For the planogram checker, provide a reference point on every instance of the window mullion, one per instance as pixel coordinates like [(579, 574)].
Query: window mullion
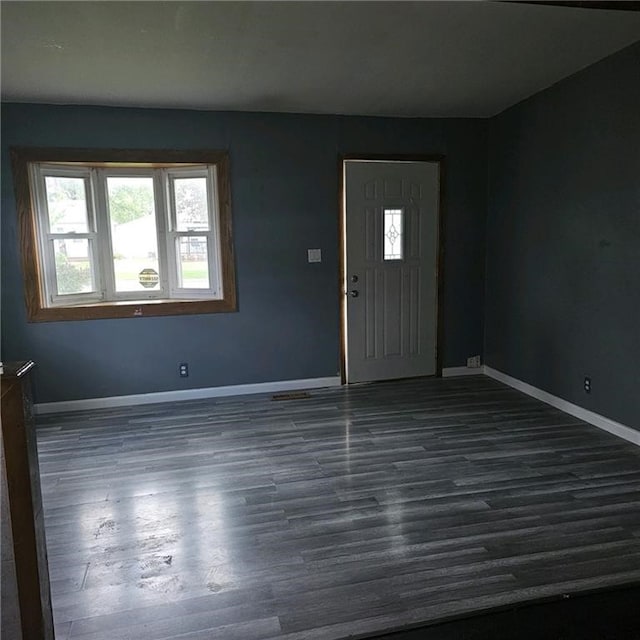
[(214, 270), (214, 238), (51, 277), (103, 228), (49, 283), (170, 222), (162, 227), (93, 236)]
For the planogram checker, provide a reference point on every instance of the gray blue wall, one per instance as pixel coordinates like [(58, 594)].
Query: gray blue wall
[(563, 239), (284, 173)]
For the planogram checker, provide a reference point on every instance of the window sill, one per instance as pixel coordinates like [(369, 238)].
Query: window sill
[(132, 309)]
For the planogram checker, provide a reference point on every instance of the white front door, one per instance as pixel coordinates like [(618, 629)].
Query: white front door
[(391, 268)]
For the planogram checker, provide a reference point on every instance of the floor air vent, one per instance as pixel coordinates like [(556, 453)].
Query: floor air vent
[(294, 395)]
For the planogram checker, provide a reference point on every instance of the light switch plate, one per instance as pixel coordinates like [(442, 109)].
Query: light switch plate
[(314, 255)]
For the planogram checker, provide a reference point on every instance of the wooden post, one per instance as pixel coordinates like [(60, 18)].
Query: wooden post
[(25, 503)]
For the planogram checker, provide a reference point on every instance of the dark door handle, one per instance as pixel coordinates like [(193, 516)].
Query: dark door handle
[(353, 293)]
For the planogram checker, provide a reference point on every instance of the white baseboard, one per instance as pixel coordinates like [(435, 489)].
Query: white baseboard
[(185, 394), (450, 372), (602, 422), (597, 420)]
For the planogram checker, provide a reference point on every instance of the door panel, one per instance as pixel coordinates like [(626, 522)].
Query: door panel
[(391, 234)]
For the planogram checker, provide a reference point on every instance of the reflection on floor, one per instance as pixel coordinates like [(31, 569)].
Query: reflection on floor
[(356, 510)]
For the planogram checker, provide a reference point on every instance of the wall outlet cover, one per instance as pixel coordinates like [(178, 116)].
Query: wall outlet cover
[(314, 255)]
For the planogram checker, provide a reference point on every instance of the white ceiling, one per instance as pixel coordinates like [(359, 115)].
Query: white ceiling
[(454, 58)]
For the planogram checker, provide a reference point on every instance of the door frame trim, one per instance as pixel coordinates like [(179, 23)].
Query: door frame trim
[(433, 158)]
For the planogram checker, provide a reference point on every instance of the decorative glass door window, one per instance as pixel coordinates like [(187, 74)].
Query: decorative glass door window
[(393, 234)]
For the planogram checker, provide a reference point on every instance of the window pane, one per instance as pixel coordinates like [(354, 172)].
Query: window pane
[(193, 262), (393, 232), (73, 266), (133, 233), (192, 212), (67, 204)]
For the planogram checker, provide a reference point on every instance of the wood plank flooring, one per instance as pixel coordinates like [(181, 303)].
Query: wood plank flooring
[(356, 510)]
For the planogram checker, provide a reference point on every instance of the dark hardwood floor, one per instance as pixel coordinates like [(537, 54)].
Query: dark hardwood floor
[(355, 511)]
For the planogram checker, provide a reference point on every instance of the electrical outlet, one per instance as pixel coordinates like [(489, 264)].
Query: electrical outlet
[(473, 362), (183, 370), (587, 384)]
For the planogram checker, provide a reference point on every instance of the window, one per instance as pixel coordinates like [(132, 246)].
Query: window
[(393, 234), (124, 233)]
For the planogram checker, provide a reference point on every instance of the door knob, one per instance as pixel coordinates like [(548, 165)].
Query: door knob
[(353, 293), (354, 279)]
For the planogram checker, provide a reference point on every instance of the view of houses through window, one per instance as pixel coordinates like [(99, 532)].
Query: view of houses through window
[(134, 234)]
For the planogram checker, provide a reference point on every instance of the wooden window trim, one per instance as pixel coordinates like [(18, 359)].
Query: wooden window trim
[(37, 311)]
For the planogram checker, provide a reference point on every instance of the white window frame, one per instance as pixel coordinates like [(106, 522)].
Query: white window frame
[(99, 234), (46, 237), (104, 223), (212, 234)]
